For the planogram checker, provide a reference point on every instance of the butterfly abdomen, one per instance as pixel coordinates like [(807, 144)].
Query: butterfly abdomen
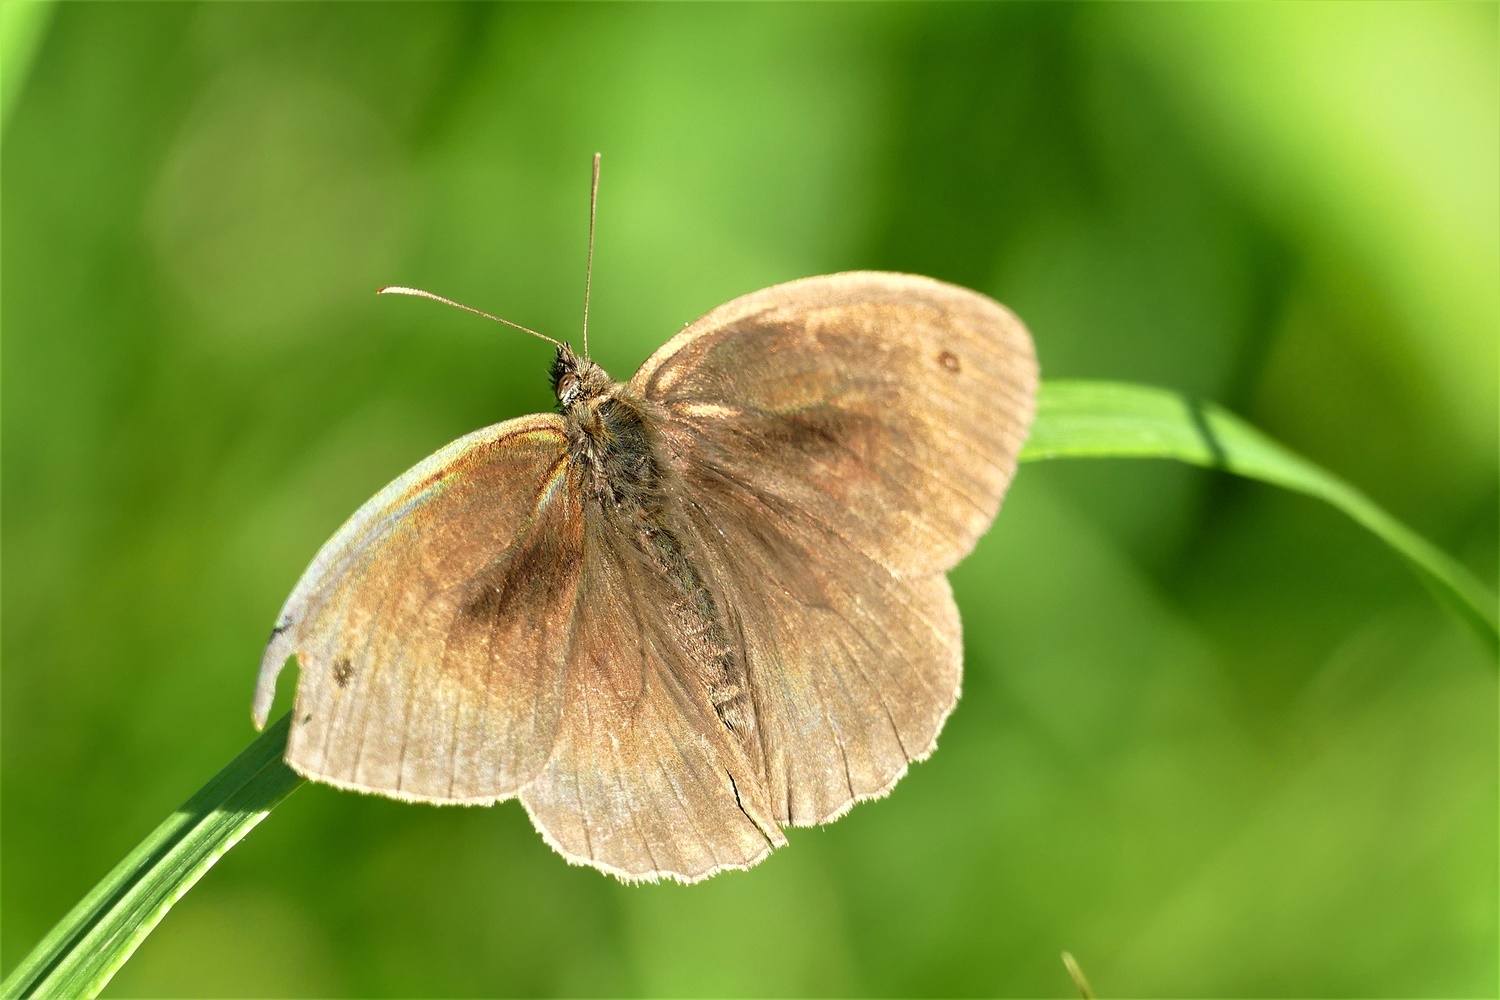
[(614, 440)]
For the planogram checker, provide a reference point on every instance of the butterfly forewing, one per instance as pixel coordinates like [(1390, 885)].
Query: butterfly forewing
[(430, 631), (890, 407)]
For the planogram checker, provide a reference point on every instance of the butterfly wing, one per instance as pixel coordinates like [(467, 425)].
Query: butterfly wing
[(479, 630), (644, 781), (889, 406), (842, 442), (432, 629)]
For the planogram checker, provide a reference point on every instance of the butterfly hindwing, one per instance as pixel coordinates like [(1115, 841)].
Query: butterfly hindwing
[(853, 669), (644, 782)]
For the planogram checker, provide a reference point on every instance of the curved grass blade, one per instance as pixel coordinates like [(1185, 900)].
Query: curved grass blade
[(1118, 420), (1074, 420), (89, 945)]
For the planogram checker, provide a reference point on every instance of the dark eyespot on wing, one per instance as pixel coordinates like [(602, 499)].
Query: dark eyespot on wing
[(949, 361), (343, 671)]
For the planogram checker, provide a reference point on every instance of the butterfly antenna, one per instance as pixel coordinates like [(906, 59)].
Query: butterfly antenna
[(588, 274), (419, 293)]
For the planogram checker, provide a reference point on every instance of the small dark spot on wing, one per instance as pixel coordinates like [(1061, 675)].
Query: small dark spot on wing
[(343, 671), (949, 361), (307, 718)]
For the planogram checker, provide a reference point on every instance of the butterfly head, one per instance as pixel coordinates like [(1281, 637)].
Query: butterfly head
[(576, 380)]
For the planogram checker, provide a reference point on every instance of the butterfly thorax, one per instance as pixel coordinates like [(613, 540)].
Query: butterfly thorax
[(612, 437)]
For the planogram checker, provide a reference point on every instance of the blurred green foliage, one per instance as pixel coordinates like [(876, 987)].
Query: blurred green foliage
[(1214, 739)]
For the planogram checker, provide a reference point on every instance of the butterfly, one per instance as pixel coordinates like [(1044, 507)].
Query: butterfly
[(685, 611)]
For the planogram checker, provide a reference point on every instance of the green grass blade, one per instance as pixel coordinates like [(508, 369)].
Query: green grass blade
[(90, 944), (1117, 420), (1074, 420)]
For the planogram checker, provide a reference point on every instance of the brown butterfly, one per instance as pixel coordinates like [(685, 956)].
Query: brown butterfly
[(687, 610)]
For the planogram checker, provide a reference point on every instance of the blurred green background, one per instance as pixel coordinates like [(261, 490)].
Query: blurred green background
[(1214, 739)]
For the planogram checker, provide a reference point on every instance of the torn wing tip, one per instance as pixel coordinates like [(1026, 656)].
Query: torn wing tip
[(271, 664), (265, 693)]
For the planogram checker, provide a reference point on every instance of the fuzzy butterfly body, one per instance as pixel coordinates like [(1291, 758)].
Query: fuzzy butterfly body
[(688, 610)]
